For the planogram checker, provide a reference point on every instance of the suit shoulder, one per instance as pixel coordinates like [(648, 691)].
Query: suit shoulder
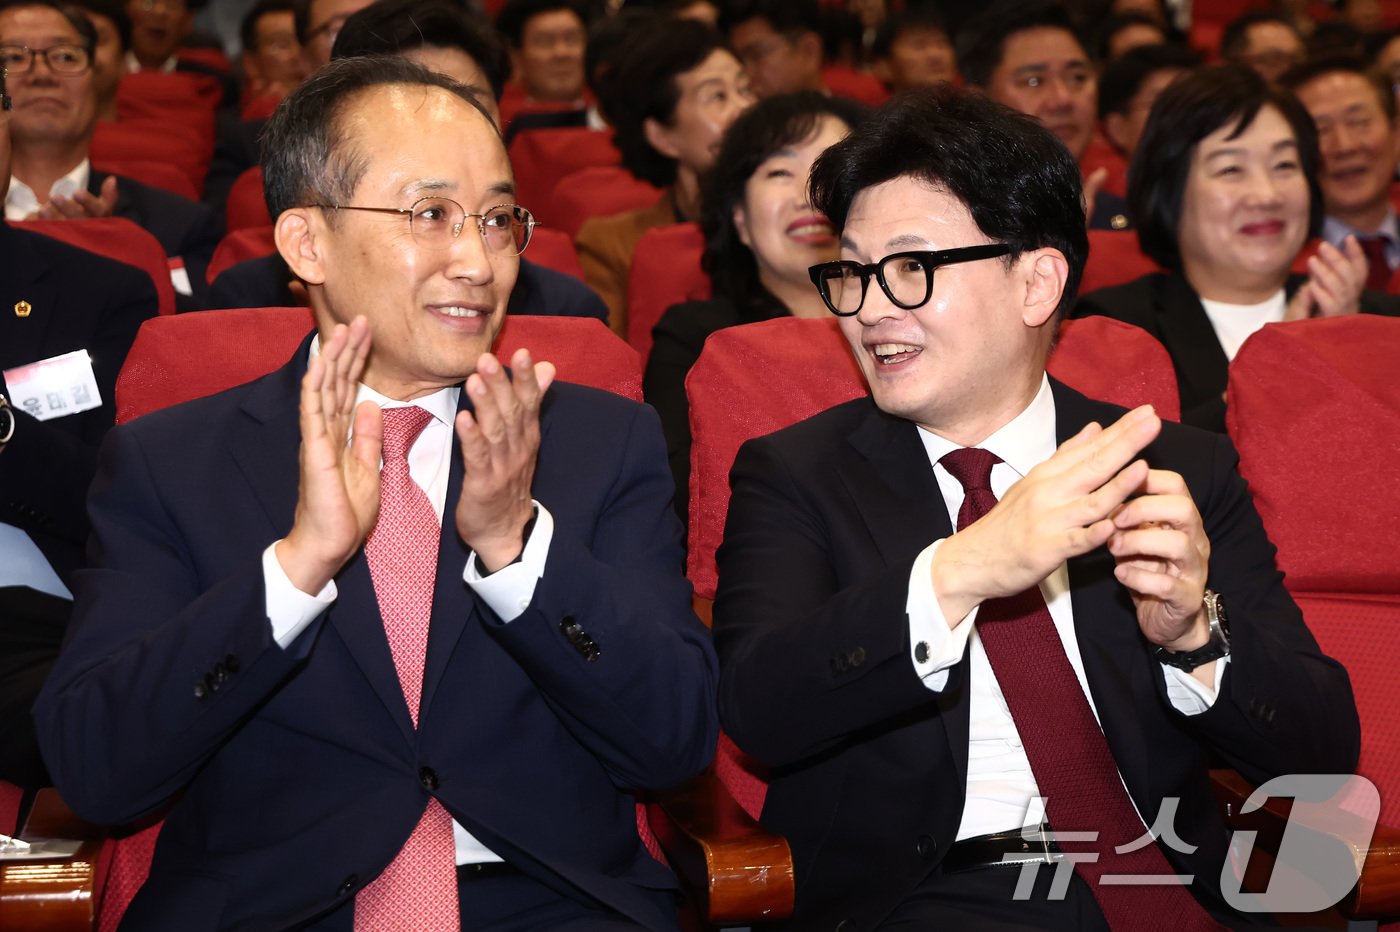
[(1135, 302), (542, 290), (823, 429), (694, 321), (166, 202)]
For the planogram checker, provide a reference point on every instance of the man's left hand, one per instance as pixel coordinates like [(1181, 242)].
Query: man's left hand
[(1163, 558), (499, 444), (82, 205)]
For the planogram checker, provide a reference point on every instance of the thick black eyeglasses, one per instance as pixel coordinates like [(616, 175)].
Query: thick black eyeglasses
[(905, 277), (61, 59), (436, 221)]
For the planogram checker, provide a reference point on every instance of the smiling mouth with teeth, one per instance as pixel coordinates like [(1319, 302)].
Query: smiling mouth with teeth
[(460, 312), (890, 353)]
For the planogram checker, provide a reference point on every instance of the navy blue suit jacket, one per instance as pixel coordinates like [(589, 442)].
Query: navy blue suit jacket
[(297, 773)]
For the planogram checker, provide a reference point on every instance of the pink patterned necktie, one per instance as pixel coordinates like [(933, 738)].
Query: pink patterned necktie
[(418, 890), (1073, 766)]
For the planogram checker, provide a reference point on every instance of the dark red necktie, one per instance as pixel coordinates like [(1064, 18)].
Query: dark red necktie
[(1069, 755), (1378, 275)]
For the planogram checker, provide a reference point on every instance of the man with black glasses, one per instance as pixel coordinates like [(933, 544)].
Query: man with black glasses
[(411, 680), (984, 630)]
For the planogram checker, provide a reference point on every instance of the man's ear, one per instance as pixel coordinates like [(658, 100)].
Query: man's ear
[(1115, 131), (1046, 274), (299, 234), (659, 138)]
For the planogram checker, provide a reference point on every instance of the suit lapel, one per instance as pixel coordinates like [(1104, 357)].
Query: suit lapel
[(1105, 623), (30, 280), (259, 444), (892, 483), (1187, 334)]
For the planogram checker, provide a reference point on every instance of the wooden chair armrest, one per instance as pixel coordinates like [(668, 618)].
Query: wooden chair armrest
[(56, 894), (733, 870), (1377, 893)]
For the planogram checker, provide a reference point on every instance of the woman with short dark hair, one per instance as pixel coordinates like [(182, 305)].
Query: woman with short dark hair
[(1223, 190)]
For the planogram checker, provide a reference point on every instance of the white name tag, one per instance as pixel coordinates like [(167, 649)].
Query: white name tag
[(54, 387)]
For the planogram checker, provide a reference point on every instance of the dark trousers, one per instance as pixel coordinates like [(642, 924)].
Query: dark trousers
[(516, 902), (982, 899), (32, 624)]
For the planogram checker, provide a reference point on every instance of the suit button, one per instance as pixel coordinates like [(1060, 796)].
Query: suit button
[(220, 673), (926, 847), (212, 684), (428, 777), (858, 656), (347, 884), (921, 652), (200, 691), (571, 629)]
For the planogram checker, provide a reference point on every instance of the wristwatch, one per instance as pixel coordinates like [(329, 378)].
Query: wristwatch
[(7, 421), (1218, 646)]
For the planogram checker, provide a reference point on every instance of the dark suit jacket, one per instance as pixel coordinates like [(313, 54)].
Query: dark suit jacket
[(1110, 213), (265, 282), (298, 773), (80, 301), (870, 767), (185, 228), (677, 340), (1167, 307)]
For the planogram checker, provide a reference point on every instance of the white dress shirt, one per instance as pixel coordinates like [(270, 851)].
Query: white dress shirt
[(22, 201), (1001, 790), (507, 592)]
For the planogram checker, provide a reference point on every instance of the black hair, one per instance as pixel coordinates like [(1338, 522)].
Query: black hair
[(393, 27), (1123, 77), (114, 10), (767, 127), (511, 20), (1313, 69), (1018, 181), (301, 19), (791, 18), (909, 19), (248, 28), (1118, 22), (981, 43), (87, 32), (608, 41), (1335, 38), (644, 86), (1187, 111), (1236, 35), (306, 158)]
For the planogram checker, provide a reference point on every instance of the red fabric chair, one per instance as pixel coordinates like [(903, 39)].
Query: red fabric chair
[(246, 206), (10, 798), (1114, 259), (597, 191), (260, 108), (154, 142), (193, 355), (1315, 413), (156, 174), (541, 157), (116, 238), (238, 246), (554, 249), (169, 90), (844, 81), (665, 271)]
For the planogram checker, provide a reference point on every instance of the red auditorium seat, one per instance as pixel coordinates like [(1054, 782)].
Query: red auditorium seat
[(665, 271), (246, 206), (596, 191), (239, 246), (541, 157), (156, 174), (116, 238), (554, 249), (1114, 259)]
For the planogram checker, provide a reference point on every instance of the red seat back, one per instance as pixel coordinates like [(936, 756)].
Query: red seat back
[(116, 238), (10, 798), (844, 81), (665, 271), (1114, 259), (154, 142), (597, 191), (1315, 412), (139, 91), (1115, 362), (161, 175), (554, 249), (541, 157), (239, 246), (246, 206)]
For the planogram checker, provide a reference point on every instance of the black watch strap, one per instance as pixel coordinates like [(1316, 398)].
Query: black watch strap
[(1218, 646)]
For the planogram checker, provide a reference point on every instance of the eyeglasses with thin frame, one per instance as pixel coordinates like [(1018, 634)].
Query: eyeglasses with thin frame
[(436, 221), (61, 59), (905, 277)]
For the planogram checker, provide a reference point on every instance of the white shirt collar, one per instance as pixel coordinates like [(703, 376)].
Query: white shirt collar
[(22, 201), (441, 404), (133, 65), (1022, 443)]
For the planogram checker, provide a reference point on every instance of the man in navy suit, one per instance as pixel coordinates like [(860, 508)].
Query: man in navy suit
[(228, 652), (868, 652)]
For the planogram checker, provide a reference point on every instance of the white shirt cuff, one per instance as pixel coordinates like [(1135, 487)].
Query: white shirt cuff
[(1190, 696), (933, 646), (509, 590), (290, 610)]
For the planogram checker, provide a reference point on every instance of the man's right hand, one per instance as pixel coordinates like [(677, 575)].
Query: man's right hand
[(1061, 509), (338, 493)]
